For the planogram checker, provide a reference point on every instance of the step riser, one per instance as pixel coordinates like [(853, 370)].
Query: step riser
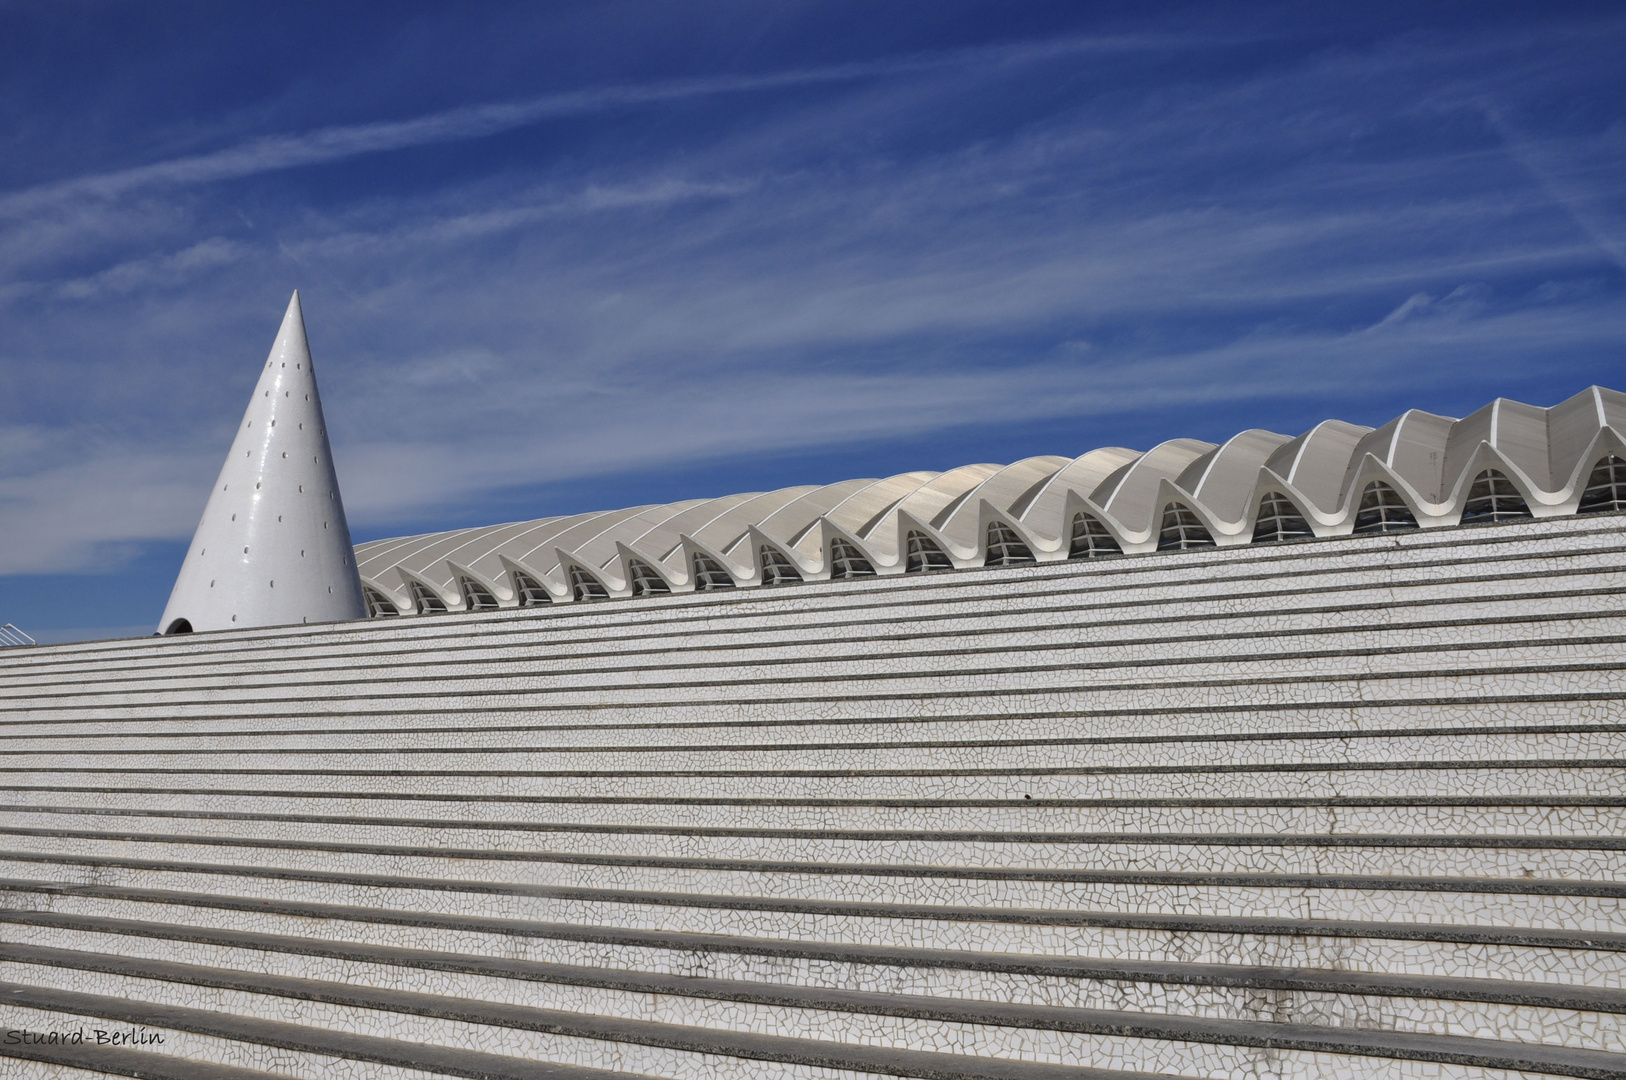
[(1536, 597), (1545, 543), (188, 1045), (475, 730), (1513, 746), (1491, 780), (18, 1069), (865, 647), (765, 961), (1099, 585), (1517, 642), (1165, 572)]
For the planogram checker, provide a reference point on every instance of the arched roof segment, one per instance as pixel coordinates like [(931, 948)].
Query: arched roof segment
[(1573, 426), (661, 542), (1131, 494), (1315, 463), (724, 532), (1412, 447), (1007, 490), (790, 524), (862, 510), (1081, 476), (1548, 453), (929, 503), (1223, 479)]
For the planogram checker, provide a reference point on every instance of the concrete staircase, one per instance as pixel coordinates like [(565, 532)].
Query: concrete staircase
[(1345, 807)]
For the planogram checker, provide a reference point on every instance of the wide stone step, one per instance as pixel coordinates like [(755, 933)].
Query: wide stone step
[(727, 673), (1583, 858), (894, 819), (1066, 945), (1543, 777), (1246, 614), (699, 702), (1215, 643), (1025, 648), (313, 874), (794, 942), (946, 757), (675, 1023), (1582, 1017), (1316, 716), (692, 615), (1528, 610), (90, 1061), (202, 1044)]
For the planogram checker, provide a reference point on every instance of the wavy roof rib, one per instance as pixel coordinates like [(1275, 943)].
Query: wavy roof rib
[(1429, 462)]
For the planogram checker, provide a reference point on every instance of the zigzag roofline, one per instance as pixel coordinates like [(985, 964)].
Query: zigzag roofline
[(1505, 460)]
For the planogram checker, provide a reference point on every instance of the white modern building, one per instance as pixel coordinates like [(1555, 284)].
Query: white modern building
[(1506, 461)]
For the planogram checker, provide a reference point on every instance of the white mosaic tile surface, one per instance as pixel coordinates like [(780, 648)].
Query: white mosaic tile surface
[(790, 753)]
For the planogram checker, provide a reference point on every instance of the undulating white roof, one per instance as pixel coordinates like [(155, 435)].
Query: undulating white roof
[(1417, 471)]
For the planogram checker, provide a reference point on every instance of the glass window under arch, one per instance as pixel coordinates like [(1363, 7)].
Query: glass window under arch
[(1492, 497), (1090, 539), (846, 561), (709, 576), (1182, 530), (1605, 491), (476, 597), (427, 600), (1382, 510), (1005, 547), (530, 591), (777, 569), (645, 581), (584, 586), (1280, 519), (922, 555)]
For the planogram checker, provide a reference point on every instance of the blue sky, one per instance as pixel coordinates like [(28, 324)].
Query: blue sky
[(561, 257)]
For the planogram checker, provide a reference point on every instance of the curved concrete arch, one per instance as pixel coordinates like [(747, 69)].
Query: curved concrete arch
[(930, 502), (1078, 478), (1131, 494), (1004, 488), (790, 525), (862, 510), (581, 534), (1411, 446), (727, 532), (1316, 463), (657, 536), (1223, 479)]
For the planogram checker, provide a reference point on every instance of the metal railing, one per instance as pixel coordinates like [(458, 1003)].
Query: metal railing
[(10, 635)]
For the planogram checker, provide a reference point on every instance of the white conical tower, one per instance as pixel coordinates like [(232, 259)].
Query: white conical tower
[(272, 548)]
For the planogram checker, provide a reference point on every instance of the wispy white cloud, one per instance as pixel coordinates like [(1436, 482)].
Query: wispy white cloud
[(1583, 197), (277, 152)]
